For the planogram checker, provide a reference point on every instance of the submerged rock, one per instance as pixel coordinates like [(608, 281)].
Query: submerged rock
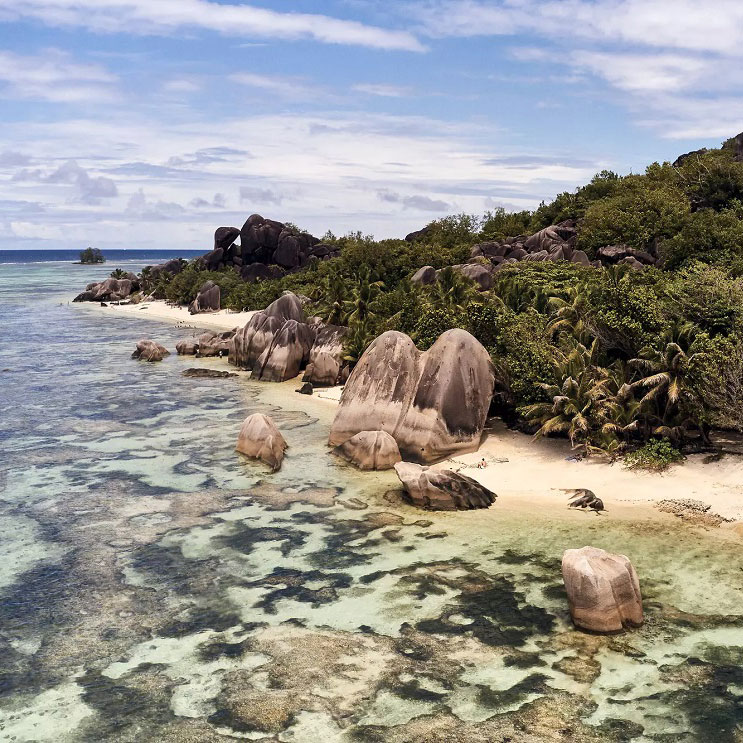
[(603, 590), (370, 450), (209, 373), (442, 490), (148, 350), (434, 403), (260, 439)]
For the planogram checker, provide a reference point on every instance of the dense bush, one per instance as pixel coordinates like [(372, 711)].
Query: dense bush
[(657, 455)]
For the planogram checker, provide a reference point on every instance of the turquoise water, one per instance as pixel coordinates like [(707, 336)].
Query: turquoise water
[(158, 587)]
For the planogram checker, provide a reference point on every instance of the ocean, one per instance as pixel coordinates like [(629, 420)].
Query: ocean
[(156, 586), (113, 257)]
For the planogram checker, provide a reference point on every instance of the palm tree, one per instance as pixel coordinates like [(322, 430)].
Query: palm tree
[(358, 307), (357, 341), (331, 299), (452, 291), (575, 407), (567, 315)]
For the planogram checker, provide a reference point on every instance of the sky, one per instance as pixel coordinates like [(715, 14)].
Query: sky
[(149, 123)]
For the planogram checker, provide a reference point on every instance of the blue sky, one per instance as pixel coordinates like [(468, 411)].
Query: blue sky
[(148, 123)]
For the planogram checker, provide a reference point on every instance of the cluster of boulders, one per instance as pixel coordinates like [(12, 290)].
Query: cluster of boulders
[(278, 342), (109, 290), (148, 350), (554, 243), (433, 403), (208, 343), (267, 249)]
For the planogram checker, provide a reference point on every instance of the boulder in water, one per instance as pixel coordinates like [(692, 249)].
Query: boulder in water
[(442, 490), (370, 450), (603, 590), (148, 350), (260, 439)]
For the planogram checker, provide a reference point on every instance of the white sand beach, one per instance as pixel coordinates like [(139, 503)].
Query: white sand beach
[(161, 310)]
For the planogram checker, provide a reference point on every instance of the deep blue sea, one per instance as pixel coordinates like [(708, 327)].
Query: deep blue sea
[(155, 586), (113, 257)]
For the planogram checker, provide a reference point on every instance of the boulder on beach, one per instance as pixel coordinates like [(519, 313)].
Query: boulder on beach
[(109, 290), (207, 300), (326, 356), (434, 403), (603, 590), (253, 339), (287, 307), (187, 346), (370, 450), (215, 344), (442, 490), (148, 350), (287, 353), (260, 439)]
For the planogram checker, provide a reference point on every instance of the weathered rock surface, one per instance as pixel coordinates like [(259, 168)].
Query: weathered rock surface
[(215, 344), (224, 237), (253, 339), (476, 273), (148, 350), (287, 353), (370, 450), (603, 590), (326, 356), (208, 374), (207, 300), (109, 290), (260, 439), (434, 404), (424, 276), (442, 490)]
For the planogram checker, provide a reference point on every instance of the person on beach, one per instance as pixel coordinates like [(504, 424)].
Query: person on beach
[(482, 464)]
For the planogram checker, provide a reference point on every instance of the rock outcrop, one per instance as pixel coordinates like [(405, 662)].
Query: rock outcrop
[(207, 344), (424, 276), (287, 353), (109, 290), (434, 403), (260, 439), (603, 590), (370, 450), (207, 300), (148, 350), (442, 490), (253, 339), (326, 356)]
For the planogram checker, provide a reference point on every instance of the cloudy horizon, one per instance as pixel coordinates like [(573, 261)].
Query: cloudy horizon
[(140, 124)]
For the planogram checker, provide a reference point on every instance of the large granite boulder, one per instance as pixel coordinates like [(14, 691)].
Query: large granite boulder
[(434, 403), (442, 490), (207, 300), (326, 356), (370, 450), (603, 590), (267, 241), (148, 350), (225, 236), (187, 346), (287, 307), (424, 276), (109, 290), (552, 236), (253, 339), (260, 439), (287, 353), (476, 273), (214, 344)]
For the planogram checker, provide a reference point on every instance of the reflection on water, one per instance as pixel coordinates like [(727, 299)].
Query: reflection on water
[(156, 586)]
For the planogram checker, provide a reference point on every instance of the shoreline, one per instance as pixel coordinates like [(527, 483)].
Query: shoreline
[(538, 471)]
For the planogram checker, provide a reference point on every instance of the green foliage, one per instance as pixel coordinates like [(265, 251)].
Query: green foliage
[(184, 287), (642, 211), (118, 273), (707, 236), (712, 180), (91, 255), (432, 323), (657, 455)]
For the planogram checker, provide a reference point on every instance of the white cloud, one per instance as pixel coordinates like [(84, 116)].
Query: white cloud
[(417, 202), (53, 76), (254, 195), (182, 85), (151, 211), (151, 17), (284, 87), (382, 90), (90, 188)]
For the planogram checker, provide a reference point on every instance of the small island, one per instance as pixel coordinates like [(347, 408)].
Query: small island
[(91, 256)]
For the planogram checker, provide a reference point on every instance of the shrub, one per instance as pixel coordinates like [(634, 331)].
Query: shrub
[(657, 456), (91, 255)]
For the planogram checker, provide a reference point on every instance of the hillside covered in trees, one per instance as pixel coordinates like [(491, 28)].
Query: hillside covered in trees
[(627, 330)]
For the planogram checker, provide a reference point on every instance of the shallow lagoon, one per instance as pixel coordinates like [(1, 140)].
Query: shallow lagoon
[(156, 586)]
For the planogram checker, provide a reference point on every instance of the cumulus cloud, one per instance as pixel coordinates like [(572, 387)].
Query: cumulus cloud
[(219, 201), (10, 159), (152, 211), (91, 189), (259, 195), (207, 156), (54, 76), (286, 87), (166, 17), (419, 203)]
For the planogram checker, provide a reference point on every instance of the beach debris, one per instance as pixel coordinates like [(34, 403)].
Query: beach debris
[(442, 490), (435, 403), (584, 498), (370, 450), (603, 590), (209, 373), (259, 438), (148, 350), (693, 511)]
